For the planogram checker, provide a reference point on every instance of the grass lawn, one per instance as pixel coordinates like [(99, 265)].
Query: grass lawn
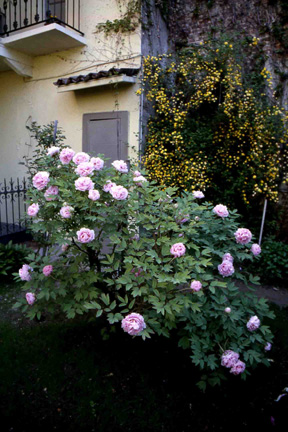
[(79, 376)]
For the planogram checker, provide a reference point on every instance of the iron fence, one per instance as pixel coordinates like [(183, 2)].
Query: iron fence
[(20, 14), (12, 208)]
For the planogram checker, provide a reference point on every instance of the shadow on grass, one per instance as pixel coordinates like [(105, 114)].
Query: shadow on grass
[(77, 377)]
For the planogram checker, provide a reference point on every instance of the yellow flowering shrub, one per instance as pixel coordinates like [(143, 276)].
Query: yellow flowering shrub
[(212, 129)]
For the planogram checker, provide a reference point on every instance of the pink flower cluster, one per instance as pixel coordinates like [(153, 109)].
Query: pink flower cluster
[(66, 155), (230, 360), (178, 249), (119, 192), (198, 194), (108, 185), (52, 151), (253, 323), (40, 180), (30, 297), (243, 236), (120, 166), (221, 210), (47, 270), (51, 193), (24, 272), (85, 235), (84, 184), (133, 324), (98, 163), (227, 257), (33, 209), (66, 212), (93, 194), (139, 180), (84, 169), (255, 249), (196, 285), (226, 268), (80, 158)]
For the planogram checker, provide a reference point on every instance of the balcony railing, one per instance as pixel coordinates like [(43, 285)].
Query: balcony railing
[(17, 15)]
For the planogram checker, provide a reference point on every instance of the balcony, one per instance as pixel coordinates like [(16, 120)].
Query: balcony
[(39, 27)]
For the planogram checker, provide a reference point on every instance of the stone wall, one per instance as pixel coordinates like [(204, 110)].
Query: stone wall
[(191, 21)]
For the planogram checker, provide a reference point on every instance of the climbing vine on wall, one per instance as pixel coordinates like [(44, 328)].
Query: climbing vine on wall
[(130, 18), (214, 128)]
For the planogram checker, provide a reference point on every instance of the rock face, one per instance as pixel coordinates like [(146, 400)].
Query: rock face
[(191, 21)]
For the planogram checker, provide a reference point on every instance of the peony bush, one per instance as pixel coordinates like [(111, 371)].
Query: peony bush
[(145, 259)]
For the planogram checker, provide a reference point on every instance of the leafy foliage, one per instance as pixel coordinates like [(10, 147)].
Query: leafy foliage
[(11, 258), (273, 265)]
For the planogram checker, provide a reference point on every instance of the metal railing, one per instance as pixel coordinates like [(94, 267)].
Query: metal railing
[(17, 15), (12, 207)]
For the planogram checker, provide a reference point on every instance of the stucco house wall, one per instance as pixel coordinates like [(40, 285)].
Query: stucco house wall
[(36, 98)]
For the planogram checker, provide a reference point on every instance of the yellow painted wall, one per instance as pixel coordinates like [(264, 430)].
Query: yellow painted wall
[(24, 100)]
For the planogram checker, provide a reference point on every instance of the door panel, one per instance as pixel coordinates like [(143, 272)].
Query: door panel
[(106, 133)]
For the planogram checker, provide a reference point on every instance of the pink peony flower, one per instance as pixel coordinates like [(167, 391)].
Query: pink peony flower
[(228, 310), (97, 163), (221, 210), (47, 270), (255, 249), (268, 346), (137, 174), (133, 324), (196, 285), (81, 157), (178, 249), (51, 193), (238, 368), (198, 194), (66, 212), (227, 257), (40, 180), (120, 166), (229, 358), (66, 155), (108, 185), (119, 193), (253, 323), (243, 236), (139, 180), (30, 297), (84, 169), (85, 235), (84, 184), (24, 272), (93, 194), (52, 151), (226, 268), (33, 209)]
